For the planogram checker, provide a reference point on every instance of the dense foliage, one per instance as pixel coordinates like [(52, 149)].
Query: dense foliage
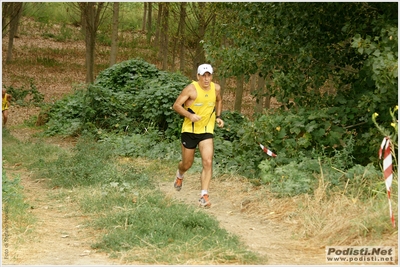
[(340, 58), (128, 97), (307, 144)]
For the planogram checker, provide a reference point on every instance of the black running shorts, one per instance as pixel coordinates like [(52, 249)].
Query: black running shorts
[(191, 140)]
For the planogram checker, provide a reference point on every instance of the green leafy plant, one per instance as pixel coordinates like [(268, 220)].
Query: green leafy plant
[(125, 98), (24, 97), (66, 115)]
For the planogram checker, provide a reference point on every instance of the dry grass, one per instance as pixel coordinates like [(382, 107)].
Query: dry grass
[(317, 219), (334, 220)]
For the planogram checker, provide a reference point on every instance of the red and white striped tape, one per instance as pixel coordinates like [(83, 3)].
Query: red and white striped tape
[(387, 170), (266, 150)]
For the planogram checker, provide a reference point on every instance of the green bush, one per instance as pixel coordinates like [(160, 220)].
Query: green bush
[(125, 98), (66, 116), (127, 76), (233, 125)]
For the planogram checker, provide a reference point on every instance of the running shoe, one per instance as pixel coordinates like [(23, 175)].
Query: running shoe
[(204, 201), (178, 184)]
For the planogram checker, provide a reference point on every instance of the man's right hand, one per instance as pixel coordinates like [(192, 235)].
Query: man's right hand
[(194, 117)]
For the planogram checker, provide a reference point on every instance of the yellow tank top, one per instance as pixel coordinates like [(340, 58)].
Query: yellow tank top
[(204, 106), (4, 102)]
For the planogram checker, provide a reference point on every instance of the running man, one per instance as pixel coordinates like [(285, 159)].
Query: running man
[(200, 103)]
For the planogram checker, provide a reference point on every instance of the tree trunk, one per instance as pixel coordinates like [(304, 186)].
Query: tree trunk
[(158, 25), (114, 34), (259, 94), (149, 17), (83, 20), (199, 57), (14, 21), (144, 16), (175, 42), (253, 82), (267, 95), (6, 17), (90, 42), (164, 47), (91, 16), (223, 79), (222, 84), (182, 18), (239, 93)]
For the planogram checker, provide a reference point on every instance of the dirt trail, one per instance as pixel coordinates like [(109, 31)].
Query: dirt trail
[(60, 236), (266, 237)]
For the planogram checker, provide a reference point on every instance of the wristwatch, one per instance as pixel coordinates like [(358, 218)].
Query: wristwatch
[(218, 117)]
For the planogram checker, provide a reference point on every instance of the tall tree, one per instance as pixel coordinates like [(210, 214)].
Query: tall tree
[(91, 16), (203, 17), (149, 21), (158, 24), (144, 16), (181, 36), (11, 15), (164, 34), (195, 17), (239, 93), (7, 14), (259, 92), (114, 34), (176, 11)]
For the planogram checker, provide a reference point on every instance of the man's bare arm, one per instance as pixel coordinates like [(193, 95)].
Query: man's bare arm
[(218, 105), (185, 95)]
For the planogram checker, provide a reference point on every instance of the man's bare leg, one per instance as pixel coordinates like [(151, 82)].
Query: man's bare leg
[(183, 166), (187, 160), (207, 152)]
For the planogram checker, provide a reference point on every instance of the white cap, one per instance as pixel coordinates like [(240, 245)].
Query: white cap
[(203, 68)]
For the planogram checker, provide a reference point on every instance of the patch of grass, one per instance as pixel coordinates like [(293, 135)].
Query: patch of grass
[(66, 33), (48, 35), (15, 218), (47, 61), (146, 220), (90, 163), (26, 154)]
